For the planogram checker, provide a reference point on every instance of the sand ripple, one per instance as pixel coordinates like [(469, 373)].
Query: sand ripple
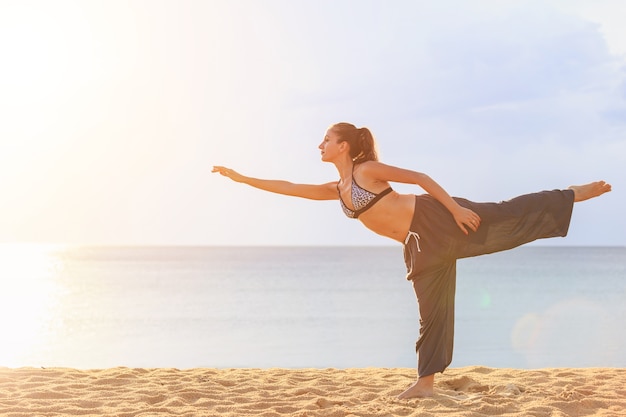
[(470, 391)]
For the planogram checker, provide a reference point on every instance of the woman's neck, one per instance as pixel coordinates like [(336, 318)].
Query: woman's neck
[(345, 168)]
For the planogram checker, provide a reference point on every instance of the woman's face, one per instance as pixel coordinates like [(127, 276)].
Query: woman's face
[(330, 147)]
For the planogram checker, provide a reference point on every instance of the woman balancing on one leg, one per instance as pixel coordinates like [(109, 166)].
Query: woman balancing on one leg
[(434, 228)]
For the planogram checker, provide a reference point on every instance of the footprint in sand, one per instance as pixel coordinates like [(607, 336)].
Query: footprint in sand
[(466, 384)]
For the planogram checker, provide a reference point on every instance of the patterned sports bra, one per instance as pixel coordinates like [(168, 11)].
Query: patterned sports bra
[(362, 199)]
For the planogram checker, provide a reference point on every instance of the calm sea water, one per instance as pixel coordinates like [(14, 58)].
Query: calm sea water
[(183, 307)]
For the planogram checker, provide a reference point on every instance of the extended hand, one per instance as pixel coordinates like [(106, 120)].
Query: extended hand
[(227, 172)]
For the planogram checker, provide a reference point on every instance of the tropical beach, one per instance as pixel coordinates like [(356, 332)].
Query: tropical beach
[(366, 392), (133, 282)]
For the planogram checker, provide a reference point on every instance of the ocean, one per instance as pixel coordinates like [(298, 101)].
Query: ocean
[(300, 307)]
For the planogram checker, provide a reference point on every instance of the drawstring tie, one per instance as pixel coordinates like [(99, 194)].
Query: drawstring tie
[(409, 252), (416, 237)]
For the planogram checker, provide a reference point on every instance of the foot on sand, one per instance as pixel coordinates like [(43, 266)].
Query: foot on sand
[(420, 389), (591, 190)]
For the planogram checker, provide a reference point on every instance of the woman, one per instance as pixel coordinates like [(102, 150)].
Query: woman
[(434, 228)]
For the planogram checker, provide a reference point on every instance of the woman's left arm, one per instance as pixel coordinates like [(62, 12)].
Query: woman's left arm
[(382, 172)]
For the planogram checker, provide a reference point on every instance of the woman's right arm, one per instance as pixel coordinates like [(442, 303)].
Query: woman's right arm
[(326, 191)]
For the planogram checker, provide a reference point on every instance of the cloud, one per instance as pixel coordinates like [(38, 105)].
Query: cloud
[(528, 73), (512, 72)]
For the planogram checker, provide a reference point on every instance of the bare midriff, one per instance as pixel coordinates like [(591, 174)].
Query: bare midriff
[(391, 216)]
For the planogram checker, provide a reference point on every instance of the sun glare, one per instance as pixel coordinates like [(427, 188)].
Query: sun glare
[(46, 61), (28, 298)]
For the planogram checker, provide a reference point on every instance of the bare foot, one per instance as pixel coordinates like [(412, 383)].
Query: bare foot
[(591, 190), (420, 389)]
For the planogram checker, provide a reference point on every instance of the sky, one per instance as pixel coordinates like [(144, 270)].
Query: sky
[(112, 113)]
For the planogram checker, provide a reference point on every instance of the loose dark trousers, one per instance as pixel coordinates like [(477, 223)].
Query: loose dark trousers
[(436, 242)]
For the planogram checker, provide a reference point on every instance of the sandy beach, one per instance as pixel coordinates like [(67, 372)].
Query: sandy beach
[(469, 391)]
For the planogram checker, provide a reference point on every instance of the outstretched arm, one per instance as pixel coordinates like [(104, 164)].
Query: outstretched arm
[(463, 216), (326, 191)]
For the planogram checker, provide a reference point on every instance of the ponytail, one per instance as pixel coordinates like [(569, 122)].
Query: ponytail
[(361, 141), (367, 146)]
